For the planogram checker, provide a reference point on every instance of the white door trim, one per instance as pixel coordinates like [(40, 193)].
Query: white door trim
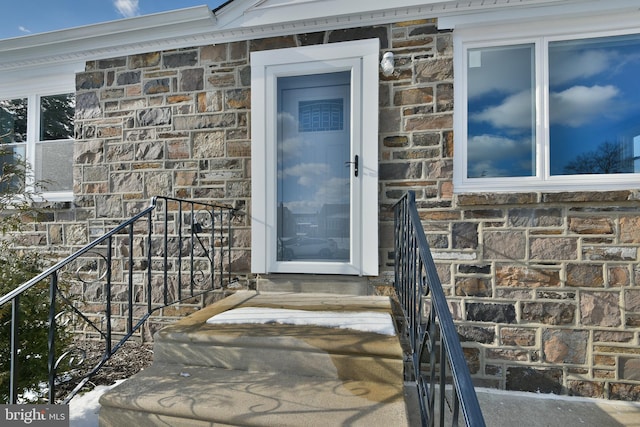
[(362, 58)]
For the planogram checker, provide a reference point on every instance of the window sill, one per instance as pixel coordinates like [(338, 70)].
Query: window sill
[(58, 196)]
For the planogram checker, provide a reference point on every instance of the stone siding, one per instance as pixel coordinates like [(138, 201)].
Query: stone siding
[(544, 287)]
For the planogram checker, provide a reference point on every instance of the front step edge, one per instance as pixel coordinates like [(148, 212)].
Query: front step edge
[(201, 396)]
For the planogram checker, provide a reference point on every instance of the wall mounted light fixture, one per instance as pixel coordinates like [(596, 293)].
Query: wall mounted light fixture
[(387, 64)]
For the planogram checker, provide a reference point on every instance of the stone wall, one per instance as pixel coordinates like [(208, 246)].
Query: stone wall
[(544, 286)]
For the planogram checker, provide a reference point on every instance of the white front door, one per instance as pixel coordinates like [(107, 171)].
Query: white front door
[(314, 159)]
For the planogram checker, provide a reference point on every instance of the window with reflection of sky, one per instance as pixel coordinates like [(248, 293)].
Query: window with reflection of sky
[(501, 112), (593, 108), (594, 104)]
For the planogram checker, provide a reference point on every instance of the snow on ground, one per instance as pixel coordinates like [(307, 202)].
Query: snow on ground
[(83, 409), (366, 321)]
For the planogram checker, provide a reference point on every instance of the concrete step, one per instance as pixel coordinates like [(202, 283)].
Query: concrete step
[(179, 395), (309, 283), (298, 350), (266, 374)]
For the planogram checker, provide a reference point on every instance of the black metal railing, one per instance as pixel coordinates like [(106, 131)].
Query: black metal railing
[(438, 367), (171, 252)]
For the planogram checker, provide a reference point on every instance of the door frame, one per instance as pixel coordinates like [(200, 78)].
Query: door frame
[(361, 58)]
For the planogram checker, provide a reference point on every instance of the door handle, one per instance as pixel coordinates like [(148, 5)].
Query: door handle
[(355, 163)]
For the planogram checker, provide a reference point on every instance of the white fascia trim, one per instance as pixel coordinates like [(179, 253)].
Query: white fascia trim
[(162, 31), (540, 12)]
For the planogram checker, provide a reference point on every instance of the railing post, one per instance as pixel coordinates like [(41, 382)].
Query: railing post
[(130, 281), (179, 266), (212, 248), (222, 246), (13, 380), (149, 259), (165, 274), (191, 251), (108, 297), (51, 361)]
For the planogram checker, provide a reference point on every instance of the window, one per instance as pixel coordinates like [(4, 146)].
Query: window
[(13, 135), (39, 129), (318, 116), (594, 112), (501, 112), (557, 113)]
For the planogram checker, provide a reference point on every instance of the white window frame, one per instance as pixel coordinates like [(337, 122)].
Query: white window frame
[(265, 68), (540, 33), (33, 84)]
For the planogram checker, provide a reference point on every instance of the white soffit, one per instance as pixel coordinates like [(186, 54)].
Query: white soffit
[(161, 31)]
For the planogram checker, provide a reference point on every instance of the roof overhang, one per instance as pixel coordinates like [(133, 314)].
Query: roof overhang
[(253, 19), (168, 30)]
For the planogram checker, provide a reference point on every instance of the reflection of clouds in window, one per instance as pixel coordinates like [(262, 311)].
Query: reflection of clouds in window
[(493, 156), (583, 59), (306, 173), (291, 149), (516, 111), (593, 104), (334, 191), (567, 66), (572, 107), (580, 104), (502, 69), (331, 191)]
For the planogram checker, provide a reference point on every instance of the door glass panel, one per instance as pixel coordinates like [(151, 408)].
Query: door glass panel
[(313, 178)]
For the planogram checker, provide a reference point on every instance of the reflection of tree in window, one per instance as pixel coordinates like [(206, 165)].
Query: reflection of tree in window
[(13, 135), (56, 117), (608, 157), (13, 120)]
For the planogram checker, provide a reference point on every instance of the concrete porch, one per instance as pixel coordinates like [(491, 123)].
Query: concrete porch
[(267, 374)]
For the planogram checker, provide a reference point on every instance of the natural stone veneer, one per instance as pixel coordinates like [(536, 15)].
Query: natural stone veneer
[(543, 285)]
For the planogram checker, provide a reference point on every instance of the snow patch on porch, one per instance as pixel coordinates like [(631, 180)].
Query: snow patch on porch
[(365, 321)]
